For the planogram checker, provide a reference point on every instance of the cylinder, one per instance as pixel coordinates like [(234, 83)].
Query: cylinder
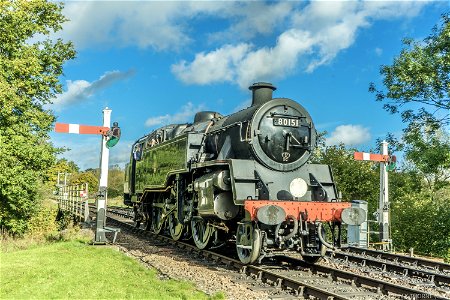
[(261, 92)]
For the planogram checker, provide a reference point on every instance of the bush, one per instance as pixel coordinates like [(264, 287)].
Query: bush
[(48, 224), (44, 221)]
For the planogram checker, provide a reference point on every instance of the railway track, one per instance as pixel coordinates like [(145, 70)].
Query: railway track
[(421, 275), (290, 273), (402, 259)]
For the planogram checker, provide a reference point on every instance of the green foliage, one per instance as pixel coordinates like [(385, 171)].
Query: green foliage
[(428, 150), (62, 166), (422, 222), (115, 182), (420, 192), (420, 215), (86, 177), (29, 74), (44, 221), (91, 176), (420, 74), (356, 180), (63, 220), (48, 224)]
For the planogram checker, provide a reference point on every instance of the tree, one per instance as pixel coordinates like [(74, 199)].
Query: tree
[(115, 182), (61, 166), (417, 85), (422, 221), (428, 150), (356, 180), (30, 64), (89, 178), (421, 75)]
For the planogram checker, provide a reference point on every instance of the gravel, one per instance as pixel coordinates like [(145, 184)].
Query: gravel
[(419, 285), (176, 264)]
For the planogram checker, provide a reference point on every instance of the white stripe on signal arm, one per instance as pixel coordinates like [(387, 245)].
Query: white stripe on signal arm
[(74, 128)]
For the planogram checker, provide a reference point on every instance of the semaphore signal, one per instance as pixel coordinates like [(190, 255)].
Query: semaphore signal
[(80, 129), (387, 163), (110, 137), (370, 156)]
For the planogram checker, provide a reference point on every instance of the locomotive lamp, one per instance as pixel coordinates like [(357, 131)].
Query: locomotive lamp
[(298, 187)]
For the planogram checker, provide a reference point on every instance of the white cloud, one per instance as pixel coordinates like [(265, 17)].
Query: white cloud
[(242, 65), (162, 25), (318, 33), (249, 19), (310, 34), (270, 63), (80, 90), (349, 135), (166, 25), (378, 51), (186, 114), (85, 150), (216, 66)]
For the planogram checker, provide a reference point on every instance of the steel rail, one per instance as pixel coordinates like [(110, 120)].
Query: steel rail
[(299, 287), (415, 261), (359, 280), (279, 281), (386, 266)]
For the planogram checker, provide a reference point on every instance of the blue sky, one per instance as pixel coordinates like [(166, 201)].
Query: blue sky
[(155, 63)]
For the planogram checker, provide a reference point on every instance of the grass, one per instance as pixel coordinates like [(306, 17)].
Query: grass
[(72, 269)]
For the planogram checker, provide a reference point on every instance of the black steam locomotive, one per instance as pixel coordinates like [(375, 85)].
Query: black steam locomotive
[(243, 177)]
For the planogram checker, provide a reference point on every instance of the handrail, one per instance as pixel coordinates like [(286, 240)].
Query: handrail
[(74, 199)]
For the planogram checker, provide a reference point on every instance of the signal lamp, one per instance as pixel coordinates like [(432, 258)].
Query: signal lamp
[(113, 135)]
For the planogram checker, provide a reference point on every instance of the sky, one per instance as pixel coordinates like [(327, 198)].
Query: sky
[(159, 62)]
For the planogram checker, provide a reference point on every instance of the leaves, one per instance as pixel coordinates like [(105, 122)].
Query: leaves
[(30, 65), (356, 180), (420, 215), (429, 151), (420, 74)]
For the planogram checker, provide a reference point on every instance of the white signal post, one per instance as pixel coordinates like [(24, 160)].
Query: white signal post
[(101, 198), (103, 184), (383, 206), (104, 155)]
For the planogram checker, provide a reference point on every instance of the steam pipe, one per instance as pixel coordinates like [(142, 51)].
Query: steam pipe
[(290, 235), (321, 239)]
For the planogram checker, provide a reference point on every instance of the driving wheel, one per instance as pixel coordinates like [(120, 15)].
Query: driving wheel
[(248, 242)]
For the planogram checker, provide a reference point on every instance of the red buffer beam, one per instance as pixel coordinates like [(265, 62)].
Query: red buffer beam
[(80, 129), (370, 156)]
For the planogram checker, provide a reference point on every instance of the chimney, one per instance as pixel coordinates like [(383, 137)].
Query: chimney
[(261, 92)]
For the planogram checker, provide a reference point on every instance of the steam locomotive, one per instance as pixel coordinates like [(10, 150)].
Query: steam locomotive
[(243, 178)]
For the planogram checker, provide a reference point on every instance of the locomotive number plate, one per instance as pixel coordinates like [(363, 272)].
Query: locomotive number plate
[(286, 122)]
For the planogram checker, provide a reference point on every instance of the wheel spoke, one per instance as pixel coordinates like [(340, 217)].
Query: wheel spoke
[(201, 233), (158, 220), (176, 228), (248, 242)]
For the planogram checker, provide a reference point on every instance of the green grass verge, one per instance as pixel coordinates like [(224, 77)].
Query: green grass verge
[(79, 271)]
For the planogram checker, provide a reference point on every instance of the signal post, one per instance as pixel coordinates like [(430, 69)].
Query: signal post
[(110, 137), (386, 163), (103, 183), (384, 205)]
